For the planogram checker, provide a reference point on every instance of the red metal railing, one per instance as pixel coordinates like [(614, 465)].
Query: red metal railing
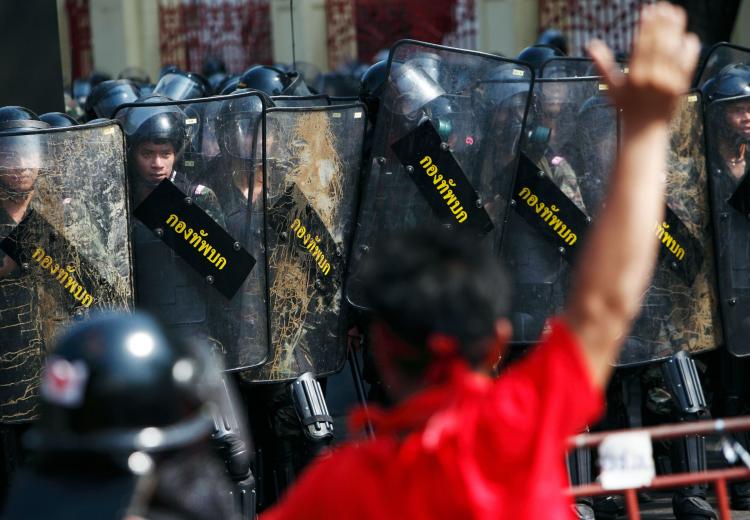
[(717, 477)]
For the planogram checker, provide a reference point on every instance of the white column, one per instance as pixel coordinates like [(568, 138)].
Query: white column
[(507, 26), (309, 30), (125, 33)]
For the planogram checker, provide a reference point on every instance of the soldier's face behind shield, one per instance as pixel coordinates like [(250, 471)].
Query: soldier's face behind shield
[(154, 161), (20, 162), (738, 118)]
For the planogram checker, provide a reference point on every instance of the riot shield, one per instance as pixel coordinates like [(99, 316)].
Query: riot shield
[(679, 310), (720, 55), (195, 173), (313, 158), (727, 138), (317, 100), (65, 248), (568, 67), (445, 147), (569, 141)]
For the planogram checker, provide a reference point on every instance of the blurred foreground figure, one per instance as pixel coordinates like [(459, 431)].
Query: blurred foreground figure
[(458, 444), (125, 428)]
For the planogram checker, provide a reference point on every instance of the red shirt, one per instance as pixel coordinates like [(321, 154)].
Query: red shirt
[(474, 449)]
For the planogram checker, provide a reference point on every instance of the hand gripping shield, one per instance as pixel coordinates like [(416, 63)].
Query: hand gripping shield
[(313, 158), (569, 142), (63, 242), (193, 239), (445, 147), (727, 143)]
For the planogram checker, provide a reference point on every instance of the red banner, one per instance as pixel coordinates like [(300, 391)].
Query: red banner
[(380, 23), (79, 27), (613, 21), (237, 31)]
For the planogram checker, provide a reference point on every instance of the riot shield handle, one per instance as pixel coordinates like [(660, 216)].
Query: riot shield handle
[(681, 376), (312, 410)]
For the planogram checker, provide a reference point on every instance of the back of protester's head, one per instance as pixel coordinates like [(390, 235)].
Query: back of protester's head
[(432, 282)]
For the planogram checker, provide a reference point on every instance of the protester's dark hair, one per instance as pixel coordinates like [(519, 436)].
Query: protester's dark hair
[(431, 281)]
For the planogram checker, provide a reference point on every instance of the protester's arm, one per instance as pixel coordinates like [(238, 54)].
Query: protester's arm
[(615, 267)]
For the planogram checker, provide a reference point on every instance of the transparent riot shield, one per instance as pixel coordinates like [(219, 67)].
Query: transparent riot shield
[(313, 158), (195, 173), (679, 310), (727, 142), (317, 100), (445, 147), (65, 249), (720, 55), (571, 67), (568, 67), (569, 142)]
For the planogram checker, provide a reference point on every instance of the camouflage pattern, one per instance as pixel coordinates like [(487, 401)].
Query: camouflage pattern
[(69, 255), (312, 173), (677, 315)]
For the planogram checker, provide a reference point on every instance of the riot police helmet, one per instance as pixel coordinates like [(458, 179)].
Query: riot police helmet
[(22, 149), (117, 383), (228, 85), (732, 81), (160, 123), (216, 81), (15, 118), (213, 65), (239, 124), (108, 95), (168, 68), (372, 86), (273, 81), (181, 85), (58, 119), (536, 55), (555, 38)]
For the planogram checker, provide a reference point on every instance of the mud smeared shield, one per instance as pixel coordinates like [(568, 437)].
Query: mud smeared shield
[(679, 310), (193, 236), (65, 249), (569, 142), (313, 158), (445, 147), (727, 163), (720, 55)]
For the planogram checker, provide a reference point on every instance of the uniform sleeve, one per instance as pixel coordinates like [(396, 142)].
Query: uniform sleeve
[(549, 392)]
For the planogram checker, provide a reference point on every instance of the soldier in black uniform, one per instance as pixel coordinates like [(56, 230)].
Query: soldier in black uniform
[(728, 124), (165, 284), (21, 158)]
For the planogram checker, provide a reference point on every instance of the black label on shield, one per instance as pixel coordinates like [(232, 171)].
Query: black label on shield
[(440, 180), (298, 228), (740, 199), (196, 238), (547, 209), (680, 250), (35, 244)]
